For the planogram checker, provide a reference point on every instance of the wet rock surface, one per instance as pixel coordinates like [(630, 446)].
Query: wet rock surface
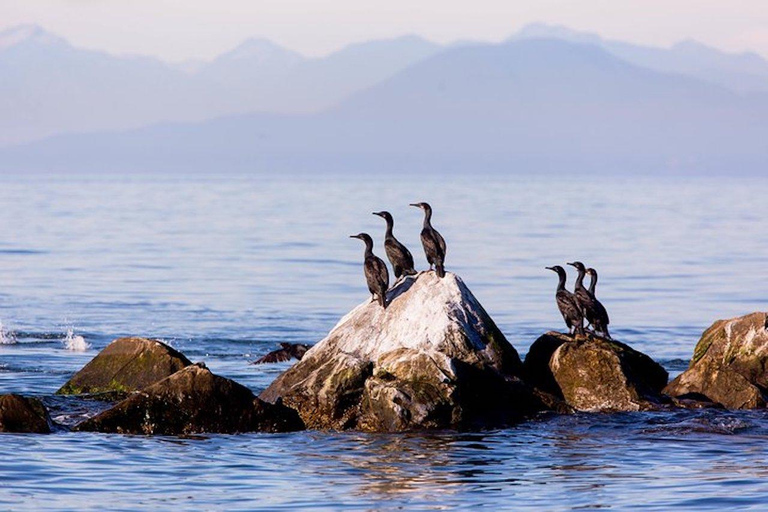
[(193, 401), (593, 374), (432, 359), (125, 365), (23, 415), (729, 364)]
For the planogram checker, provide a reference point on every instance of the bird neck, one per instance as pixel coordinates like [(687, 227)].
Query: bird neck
[(427, 217), (390, 226), (561, 283), (368, 247), (593, 284), (580, 279)]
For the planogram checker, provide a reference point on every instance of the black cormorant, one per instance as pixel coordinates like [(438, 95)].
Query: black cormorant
[(375, 269), (567, 304), (594, 311), (433, 242), (288, 352), (397, 253)]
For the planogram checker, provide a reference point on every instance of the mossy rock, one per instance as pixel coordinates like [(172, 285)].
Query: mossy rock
[(729, 364), (193, 401), (596, 374), (124, 366)]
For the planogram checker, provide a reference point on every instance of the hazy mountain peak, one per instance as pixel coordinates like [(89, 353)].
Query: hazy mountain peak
[(544, 30), (259, 49), (22, 34)]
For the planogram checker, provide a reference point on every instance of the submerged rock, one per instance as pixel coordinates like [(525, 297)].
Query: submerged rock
[(432, 359), (729, 365), (595, 374), (126, 365), (193, 401), (22, 414)]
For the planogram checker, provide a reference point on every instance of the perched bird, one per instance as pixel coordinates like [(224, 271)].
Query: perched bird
[(288, 352), (376, 273), (592, 273), (433, 242), (398, 254), (594, 311), (567, 304)]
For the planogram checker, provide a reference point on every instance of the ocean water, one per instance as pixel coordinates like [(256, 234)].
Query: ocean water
[(225, 268)]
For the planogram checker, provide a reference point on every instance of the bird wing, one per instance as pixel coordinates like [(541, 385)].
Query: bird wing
[(431, 245), (276, 356), (376, 270), (440, 241), (568, 305)]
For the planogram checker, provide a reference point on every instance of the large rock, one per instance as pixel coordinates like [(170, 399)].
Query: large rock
[(729, 365), (126, 365), (193, 401), (432, 359), (595, 374), (21, 414)]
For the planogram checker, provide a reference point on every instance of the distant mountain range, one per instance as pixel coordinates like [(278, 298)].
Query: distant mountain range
[(548, 98)]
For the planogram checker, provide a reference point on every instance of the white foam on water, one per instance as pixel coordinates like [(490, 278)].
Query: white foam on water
[(6, 337), (75, 342)]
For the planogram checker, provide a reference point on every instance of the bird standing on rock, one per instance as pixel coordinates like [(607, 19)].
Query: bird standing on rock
[(376, 273), (594, 311), (433, 242), (398, 254), (568, 304)]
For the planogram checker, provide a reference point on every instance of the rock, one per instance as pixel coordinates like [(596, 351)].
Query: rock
[(286, 353), (126, 365), (595, 374), (21, 414), (432, 359), (729, 365), (192, 401)]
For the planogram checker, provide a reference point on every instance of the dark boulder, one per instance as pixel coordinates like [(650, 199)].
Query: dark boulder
[(432, 359), (729, 365), (193, 401), (592, 373), (22, 414), (126, 365)]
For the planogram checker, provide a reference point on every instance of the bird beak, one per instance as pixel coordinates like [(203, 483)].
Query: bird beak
[(550, 268), (415, 204), (380, 214), (571, 264), (354, 236)]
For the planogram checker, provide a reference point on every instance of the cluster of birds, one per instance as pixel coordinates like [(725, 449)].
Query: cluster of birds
[(376, 273), (582, 303)]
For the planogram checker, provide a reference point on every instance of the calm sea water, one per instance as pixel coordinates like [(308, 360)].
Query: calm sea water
[(226, 268)]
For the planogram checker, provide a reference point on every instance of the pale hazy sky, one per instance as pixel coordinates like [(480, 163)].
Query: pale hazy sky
[(186, 29)]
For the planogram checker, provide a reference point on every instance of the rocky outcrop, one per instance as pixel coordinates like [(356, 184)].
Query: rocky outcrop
[(595, 374), (729, 365), (193, 401), (432, 359), (126, 365), (21, 414)]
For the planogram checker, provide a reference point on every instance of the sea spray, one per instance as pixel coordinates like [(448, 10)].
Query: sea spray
[(75, 342), (6, 337)]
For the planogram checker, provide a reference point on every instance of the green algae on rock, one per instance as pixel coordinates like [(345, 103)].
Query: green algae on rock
[(729, 365), (126, 365)]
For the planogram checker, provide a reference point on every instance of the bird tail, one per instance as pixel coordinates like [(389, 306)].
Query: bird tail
[(440, 269), (383, 298)]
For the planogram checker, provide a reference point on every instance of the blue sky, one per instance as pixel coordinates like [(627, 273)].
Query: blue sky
[(186, 29)]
